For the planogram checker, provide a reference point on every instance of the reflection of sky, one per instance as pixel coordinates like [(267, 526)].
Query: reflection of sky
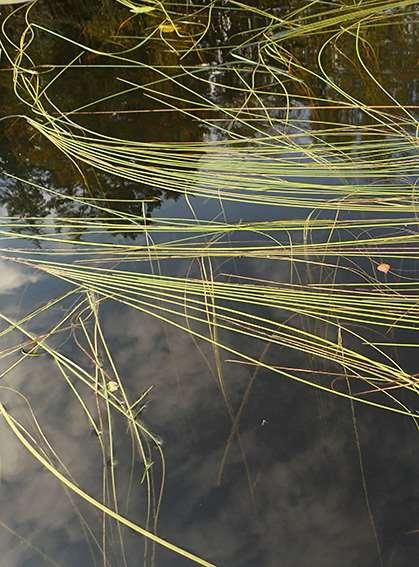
[(309, 506), (14, 277)]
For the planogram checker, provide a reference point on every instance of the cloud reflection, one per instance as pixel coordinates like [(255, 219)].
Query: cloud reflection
[(308, 508)]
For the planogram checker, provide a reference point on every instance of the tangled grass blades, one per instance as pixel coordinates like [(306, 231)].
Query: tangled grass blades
[(292, 155)]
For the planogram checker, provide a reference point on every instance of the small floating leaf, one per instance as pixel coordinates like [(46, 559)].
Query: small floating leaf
[(383, 267), (112, 386), (167, 28)]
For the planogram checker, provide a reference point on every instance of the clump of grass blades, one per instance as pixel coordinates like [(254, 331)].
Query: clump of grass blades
[(85, 315), (256, 156), (264, 166), (184, 302)]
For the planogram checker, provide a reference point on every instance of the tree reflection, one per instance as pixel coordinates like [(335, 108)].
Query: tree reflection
[(160, 111)]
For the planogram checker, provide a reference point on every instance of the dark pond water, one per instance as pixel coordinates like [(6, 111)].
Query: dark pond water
[(309, 479)]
